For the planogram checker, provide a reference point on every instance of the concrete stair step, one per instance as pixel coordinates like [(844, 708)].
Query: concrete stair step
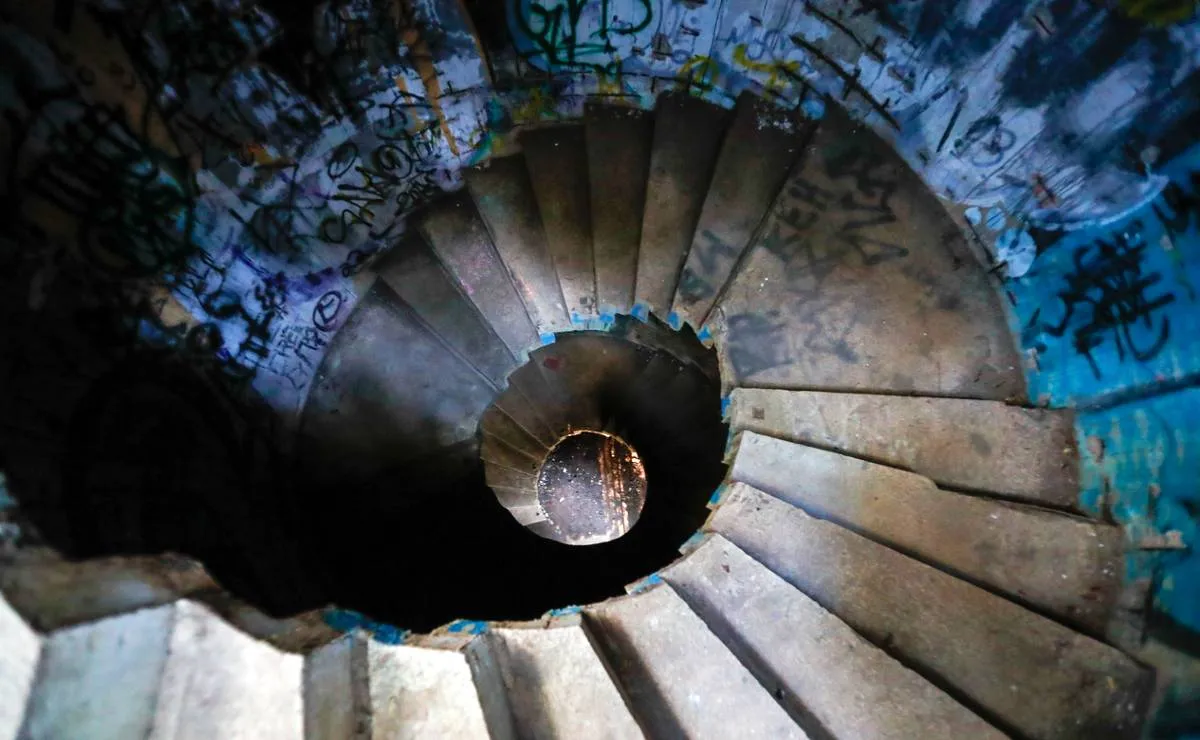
[(457, 234), (387, 384), (680, 680), (556, 158), (964, 444), (50, 593), (505, 200), (500, 476), (20, 649), (413, 271), (618, 142), (513, 497), (580, 366), (1020, 671), (1067, 567), (524, 409), (174, 671), (500, 426), (547, 401), (682, 345), (833, 682), (494, 451), (360, 687), (687, 140), (759, 150), (529, 514), (859, 280), (558, 685)]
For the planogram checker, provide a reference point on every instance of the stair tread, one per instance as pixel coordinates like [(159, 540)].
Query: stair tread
[(456, 233), (1068, 567), (20, 647), (501, 426), (988, 446), (528, 413), (494, 452), (53, 593), (687, 140), (618, 142), (556, 158), (762, 144), (860, 281), (417, 692), (173, 671), (656, 335), (528, 514), (504, 477), (848, 687), (680, 680), (413, 271), (513, 497), (558, 685), (387, 384), (581, 366), (547, 402), (1017, 669), (505, 199)]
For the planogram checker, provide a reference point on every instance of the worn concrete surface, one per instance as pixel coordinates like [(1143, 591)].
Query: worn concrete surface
[(681, 681), (101, 680), (527, 403), (687, 139), (682, 345), (335, 697), (549, 405), (20, 648), (556, 158), (220, 683), (760, 148), (984, 446), (1018, 670), (413, 271), (580, 367), (422, 693), (858, 280), (499, 425), (496, 452), (1065, 566), (833, 681), (504, 197), (558, 685), (51, 593), (618, 142), (457, 234), (388, 386), (175, 671)]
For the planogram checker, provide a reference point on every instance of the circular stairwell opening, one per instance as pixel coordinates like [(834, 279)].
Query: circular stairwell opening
[(592, 486)]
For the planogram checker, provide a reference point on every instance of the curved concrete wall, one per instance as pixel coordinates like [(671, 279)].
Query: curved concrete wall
[(215, 176)]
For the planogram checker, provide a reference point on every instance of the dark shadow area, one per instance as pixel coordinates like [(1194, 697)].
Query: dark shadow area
[(425, 542), (112, 447)]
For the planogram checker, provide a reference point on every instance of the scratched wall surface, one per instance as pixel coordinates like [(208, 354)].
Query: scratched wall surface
[(213, 176), (223, 170), (1048, 115)]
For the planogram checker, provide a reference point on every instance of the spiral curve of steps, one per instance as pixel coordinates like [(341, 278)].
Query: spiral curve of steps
[(895, 550)]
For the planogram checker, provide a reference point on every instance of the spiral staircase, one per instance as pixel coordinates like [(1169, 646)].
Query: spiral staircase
[(749, 302)]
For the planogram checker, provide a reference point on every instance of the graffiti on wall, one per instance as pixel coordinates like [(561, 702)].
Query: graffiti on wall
[(1038, 116), (242, 168), (1113, 308)]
